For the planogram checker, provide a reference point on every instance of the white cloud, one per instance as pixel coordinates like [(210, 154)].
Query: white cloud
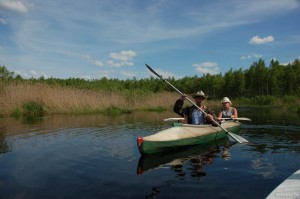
[(14, 5), (36, 74), (124, 58), (123, 55), (86, 77), (207, 67), (92, 61), (56, 28), (251, 56), (257, 40), (22, 74), (113, 64), (31, 74)]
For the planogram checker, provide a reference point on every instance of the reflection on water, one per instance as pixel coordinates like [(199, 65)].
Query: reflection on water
[(187, 162), (177, 157), (16, 126), (26, 127), (95, 156)]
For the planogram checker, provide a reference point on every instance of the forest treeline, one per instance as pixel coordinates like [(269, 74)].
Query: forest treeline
[(258, 80)]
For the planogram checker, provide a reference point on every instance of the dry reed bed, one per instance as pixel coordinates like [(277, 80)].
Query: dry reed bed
[(69, 100)]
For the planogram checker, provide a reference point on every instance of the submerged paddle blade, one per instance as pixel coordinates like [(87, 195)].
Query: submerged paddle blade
[(237, 138)]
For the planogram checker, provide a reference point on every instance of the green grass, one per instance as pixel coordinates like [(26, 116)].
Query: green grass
[(114, 111), (17, 112), (156, 109), (33, 109)]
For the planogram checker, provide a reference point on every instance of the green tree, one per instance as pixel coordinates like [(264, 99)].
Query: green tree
[(238, 83), (296, 76), (256, 79), (5, 74), (276, 78), (229, 83)]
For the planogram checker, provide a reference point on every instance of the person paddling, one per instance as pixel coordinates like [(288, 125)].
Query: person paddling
[(228, 111), (192, 114)]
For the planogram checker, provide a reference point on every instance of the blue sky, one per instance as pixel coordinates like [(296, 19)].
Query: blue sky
[(93, 39)]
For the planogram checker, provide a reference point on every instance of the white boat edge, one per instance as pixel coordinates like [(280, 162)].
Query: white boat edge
[(289, 188)]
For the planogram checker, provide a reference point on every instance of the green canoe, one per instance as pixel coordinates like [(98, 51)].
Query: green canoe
[(184, 135)]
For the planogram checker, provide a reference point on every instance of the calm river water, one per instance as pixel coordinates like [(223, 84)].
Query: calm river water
[(94, 156)]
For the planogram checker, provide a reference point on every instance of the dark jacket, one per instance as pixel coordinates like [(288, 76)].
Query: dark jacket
[(177, 108)]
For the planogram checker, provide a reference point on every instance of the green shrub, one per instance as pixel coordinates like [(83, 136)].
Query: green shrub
[(287, 99), (263, 100), (242, 101), (113, 111), (156, 109), (33, 109), (16, 113)]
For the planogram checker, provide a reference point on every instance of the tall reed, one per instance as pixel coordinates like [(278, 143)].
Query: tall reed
[(56, 99)]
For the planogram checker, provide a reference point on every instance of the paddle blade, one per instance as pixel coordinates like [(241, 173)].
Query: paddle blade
[(237, 138), (154, 71)]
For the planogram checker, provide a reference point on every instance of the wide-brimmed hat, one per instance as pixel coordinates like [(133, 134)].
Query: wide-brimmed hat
[(225, 99), (199, 94)]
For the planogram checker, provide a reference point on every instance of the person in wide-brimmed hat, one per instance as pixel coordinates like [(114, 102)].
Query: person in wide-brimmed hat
[(192, 114), (227, 111), (199, 94)]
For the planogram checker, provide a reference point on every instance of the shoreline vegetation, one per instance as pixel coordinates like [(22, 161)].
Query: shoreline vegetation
[(42, 99), (39, 99), (276, 85)]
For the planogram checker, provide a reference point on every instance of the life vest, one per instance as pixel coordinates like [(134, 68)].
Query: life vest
[(227, 113), (195, 115)]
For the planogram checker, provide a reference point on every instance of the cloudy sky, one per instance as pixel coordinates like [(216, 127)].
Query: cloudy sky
[(93, 39)]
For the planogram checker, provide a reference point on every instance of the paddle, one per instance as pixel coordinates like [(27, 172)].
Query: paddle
[(181, 118), (237, 138), (237, 118), (173, 119)]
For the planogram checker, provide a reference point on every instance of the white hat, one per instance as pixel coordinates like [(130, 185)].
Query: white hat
[(199, 94), (225, 99)]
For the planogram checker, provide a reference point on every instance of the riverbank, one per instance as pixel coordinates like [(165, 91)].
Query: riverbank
[(40, 99)]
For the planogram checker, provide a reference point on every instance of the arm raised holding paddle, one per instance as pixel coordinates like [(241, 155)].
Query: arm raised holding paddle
[(192, 114)]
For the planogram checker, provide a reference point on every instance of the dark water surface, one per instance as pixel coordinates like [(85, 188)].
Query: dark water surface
[(93, 156)]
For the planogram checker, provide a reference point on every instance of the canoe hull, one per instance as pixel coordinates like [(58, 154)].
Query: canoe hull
[(184, 135)]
